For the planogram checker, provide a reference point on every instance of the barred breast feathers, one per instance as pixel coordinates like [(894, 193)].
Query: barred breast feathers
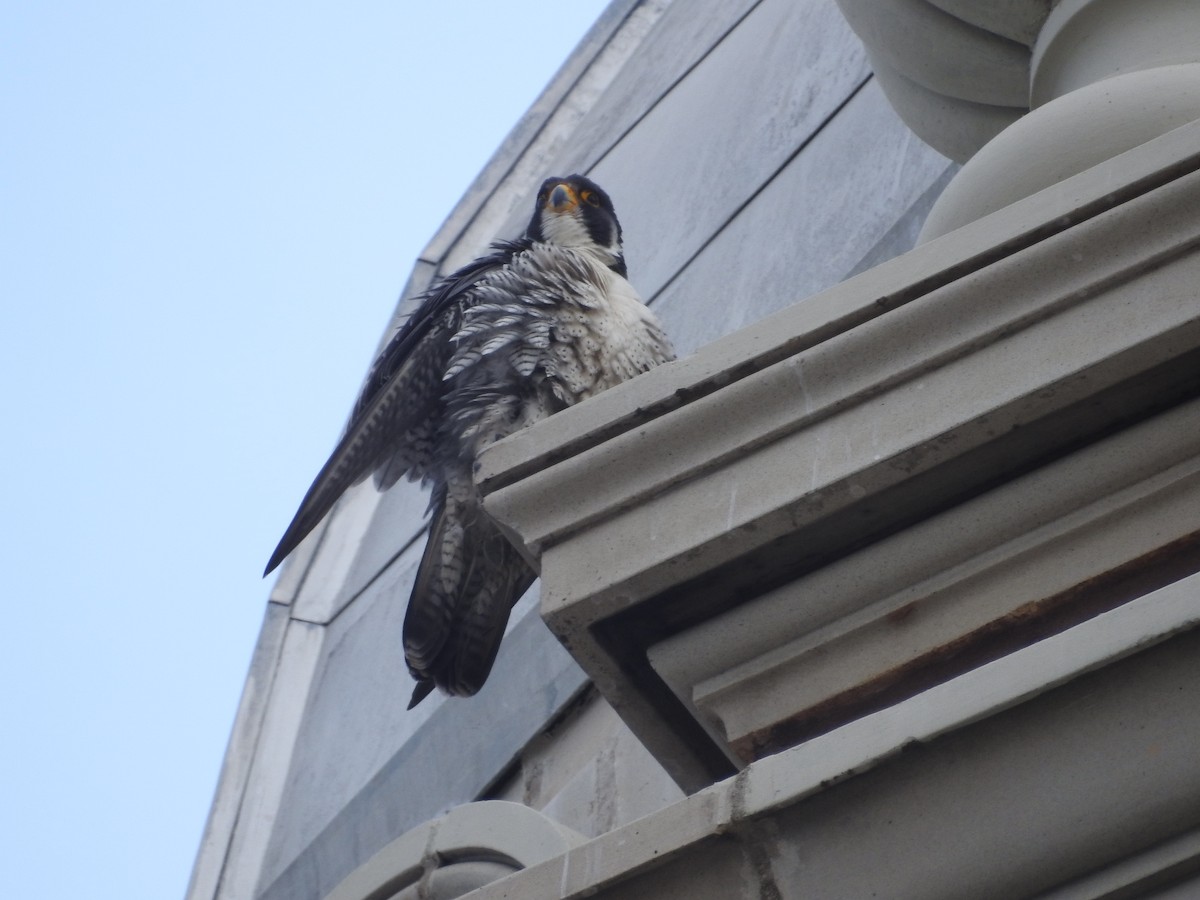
[(566, 311)]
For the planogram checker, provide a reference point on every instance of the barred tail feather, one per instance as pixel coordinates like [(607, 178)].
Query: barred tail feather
[(468, 581), (492, 590)]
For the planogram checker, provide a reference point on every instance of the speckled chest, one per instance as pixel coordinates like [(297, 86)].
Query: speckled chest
[(553, 327)]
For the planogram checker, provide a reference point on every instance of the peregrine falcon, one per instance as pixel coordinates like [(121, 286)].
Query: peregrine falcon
[(535, 326)]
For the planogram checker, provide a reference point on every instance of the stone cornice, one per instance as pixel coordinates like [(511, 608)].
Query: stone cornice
[(824, 431)]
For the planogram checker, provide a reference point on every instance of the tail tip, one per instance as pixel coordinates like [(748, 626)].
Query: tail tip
[(423, 689)]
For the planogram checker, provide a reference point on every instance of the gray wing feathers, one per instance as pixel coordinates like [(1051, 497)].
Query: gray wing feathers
[(385, 432), (390, 429)]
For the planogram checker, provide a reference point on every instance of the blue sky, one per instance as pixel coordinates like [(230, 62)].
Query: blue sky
[(207, 211)]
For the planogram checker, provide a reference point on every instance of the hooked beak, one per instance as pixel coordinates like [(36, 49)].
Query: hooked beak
[(562, 198)]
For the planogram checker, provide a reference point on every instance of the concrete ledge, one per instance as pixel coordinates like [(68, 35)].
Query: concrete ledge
[(470, 846), (1072, 538), (823, 431), (1066, 768)]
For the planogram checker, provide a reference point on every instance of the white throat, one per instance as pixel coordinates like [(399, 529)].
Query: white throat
[(566, 231)]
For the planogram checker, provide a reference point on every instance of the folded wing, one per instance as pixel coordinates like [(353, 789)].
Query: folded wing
[(390, 427)]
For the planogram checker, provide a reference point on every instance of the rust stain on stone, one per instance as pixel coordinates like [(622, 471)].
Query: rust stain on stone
[(1022, 626)]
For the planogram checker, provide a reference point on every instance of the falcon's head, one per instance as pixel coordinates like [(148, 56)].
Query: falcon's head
[(576, 212)]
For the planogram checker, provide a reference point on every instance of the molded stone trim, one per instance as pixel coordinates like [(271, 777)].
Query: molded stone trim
[(877, 405)]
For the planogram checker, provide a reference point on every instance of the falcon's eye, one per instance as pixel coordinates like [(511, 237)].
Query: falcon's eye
[(590, 197)]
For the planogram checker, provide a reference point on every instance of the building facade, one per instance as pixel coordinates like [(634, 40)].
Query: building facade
[(888, 587)]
